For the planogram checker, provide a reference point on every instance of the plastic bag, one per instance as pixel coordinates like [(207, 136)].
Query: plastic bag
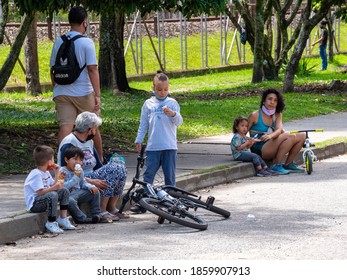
[(117, 158)]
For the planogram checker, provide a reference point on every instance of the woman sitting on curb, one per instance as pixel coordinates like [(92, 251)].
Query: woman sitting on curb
[(109, 178), (275, 145)]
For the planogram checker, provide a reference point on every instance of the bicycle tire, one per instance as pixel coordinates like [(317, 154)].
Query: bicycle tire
[(197, 202), (163, 209), (309, 163)]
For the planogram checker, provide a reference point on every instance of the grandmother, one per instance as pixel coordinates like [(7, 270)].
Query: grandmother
[(109, 178)]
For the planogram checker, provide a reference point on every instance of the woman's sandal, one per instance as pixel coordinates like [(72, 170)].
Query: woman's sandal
[(120, 215), (109, 216)]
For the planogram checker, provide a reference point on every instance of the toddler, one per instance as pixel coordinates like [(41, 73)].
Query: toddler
[(240, 145)]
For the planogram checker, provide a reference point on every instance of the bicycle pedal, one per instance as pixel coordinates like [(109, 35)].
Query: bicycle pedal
[(210, 200)]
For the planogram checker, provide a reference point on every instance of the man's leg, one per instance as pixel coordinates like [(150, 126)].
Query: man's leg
[(64, 130)]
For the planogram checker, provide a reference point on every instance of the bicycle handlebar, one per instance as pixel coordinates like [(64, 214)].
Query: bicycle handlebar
[(307, 130)]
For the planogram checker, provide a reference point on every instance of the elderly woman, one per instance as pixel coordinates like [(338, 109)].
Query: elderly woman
[(266, 124), (110, 178)]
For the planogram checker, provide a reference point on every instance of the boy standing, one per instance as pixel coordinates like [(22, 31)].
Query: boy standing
[(160, 116), (42, 193)]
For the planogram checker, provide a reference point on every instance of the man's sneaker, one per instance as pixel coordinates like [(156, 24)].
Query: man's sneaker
[(65, 223), (53, 227), (279, 169), (138, 209), (293, 168), (263, 173)]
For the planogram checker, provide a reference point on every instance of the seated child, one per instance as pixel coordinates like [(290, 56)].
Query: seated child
[(240, 145), (80, 190), (42, 193)]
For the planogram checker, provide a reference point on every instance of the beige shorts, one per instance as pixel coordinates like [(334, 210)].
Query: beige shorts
[(68, 107)]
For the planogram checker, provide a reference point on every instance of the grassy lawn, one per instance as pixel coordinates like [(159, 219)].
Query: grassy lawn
[(209, 103), (172, 55)]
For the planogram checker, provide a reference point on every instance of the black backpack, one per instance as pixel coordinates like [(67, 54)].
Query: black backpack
[(66, 69)]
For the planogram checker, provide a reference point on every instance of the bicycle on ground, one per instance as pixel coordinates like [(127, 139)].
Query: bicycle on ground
[(159, 202), (308, 155)]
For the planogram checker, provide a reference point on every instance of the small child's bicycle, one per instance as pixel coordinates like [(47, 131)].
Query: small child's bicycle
[(308, 155)]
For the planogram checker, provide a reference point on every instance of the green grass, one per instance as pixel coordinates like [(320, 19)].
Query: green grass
[(206, 112), (150, 63)]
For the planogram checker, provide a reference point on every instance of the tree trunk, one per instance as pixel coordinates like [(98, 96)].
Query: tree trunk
[(31, 61), (111, 53), (258, 59), (330, 38), (288, 84), (10, 62), (3, 18)]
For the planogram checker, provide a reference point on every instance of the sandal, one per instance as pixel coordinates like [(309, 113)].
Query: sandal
[(122, 215), (109, 216), (119, 215)]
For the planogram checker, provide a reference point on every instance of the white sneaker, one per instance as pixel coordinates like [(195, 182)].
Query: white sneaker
[(65, 223), (53, 227)]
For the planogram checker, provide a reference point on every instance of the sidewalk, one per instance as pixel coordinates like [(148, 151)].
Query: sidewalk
[(202, 162)]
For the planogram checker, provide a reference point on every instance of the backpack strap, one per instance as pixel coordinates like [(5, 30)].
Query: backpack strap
[(74, 39)]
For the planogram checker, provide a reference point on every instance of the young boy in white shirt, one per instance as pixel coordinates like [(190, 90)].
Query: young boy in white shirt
[(43, 193)]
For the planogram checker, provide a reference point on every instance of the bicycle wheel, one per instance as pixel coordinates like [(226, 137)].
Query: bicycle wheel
[(197, 202), (171, 213), (308, 163)]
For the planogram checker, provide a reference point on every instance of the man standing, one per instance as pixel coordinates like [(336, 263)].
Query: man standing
[(323, 40), (84, 93)]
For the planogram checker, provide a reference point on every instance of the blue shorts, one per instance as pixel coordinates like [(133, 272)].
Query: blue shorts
[(257, 147)]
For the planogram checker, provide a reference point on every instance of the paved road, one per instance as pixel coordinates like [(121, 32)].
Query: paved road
[(298, 216)]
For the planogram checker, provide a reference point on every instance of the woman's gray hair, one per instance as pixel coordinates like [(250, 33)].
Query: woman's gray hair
[(86, 121)]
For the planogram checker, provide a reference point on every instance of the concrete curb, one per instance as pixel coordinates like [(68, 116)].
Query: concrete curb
[(27, 224)]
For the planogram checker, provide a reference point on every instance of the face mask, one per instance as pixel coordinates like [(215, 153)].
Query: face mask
[(268, 112), (160, 99), (90, 137)]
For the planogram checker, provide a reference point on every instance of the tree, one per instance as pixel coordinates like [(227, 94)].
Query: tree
[(3, 18), (33, 85), (286, 14), (10, 62), (321, 8), (111, 54)]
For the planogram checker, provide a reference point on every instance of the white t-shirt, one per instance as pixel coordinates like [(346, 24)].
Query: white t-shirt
[(35, 181), (89, 161), (85, 54)]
